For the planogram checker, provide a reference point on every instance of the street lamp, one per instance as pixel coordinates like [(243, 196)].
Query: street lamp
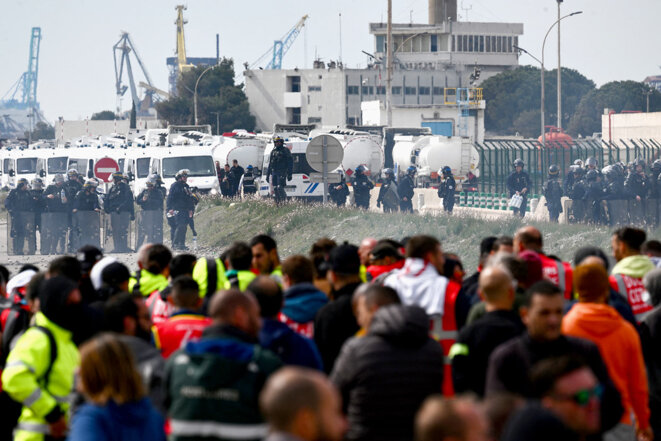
[(195, 92), (217, 122)]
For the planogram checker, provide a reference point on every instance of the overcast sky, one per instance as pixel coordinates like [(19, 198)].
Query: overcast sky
[(611, 40)]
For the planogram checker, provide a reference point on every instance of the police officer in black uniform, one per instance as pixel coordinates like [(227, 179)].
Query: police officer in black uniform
[(236, 173), (247, 182), (594, 196), (405, 190), (150, 200), (552, 191), (181, 206), (86, 200), (361, 187), (72, 186), (281, 165), (388, 195), (638, 187), (339, 192), (447, 189), (118, 204), (19, 205), (37, 207), (518, 182), (54, 231)]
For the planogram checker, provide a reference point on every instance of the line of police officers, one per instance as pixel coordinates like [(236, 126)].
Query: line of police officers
[(73, 206)]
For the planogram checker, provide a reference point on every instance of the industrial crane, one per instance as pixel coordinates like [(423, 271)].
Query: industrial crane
[(121, 51), (181, 42), (26, 86), (280, 47)]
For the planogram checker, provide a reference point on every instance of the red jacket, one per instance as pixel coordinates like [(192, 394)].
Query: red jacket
[(376, 270), (175, 332), (558, 273)]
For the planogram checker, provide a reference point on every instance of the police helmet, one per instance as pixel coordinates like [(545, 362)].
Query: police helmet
[(151, 180), (573, 168), (619, 168), (388, 172), (361, 169), (118, 175), (656, 165), (277, 140), (58, 178), (641, 162), (591, 161), (411, 170), (89, 184), (592, 175), (554, 170), (608, 170), (182, 173), (249, 167), (156, 178), (72, 172), (446, 170), (518, 162), (578, 162), (37, 184), (22, 181)]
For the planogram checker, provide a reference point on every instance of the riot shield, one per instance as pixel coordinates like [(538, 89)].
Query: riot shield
[(149, 227), (86, 229), (53, 233), (618, 212), (637, 212), (21, 233), (652, 212)]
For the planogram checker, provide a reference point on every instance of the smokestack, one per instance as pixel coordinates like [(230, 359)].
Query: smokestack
[(441, 10)]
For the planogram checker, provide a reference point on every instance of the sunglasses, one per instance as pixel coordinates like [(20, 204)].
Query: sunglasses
[(583, 397)]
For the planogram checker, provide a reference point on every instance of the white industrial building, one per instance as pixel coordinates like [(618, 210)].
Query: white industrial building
[(66, 130), (630, 125), (431, 61)]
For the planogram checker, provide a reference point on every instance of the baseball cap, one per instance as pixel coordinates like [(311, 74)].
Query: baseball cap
[(88, 255), (385, 249), (344, 259)]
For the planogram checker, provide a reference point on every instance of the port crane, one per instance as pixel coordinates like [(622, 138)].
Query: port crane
[(121, 55), (280, 47)]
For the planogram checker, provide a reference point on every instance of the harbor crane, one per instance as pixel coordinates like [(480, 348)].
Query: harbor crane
[(280, 47), (121, 55)]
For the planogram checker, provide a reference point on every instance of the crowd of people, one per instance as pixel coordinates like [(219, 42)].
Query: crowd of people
[(387, 340)]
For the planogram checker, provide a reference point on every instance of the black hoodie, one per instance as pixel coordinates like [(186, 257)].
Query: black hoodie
[(385, 376)]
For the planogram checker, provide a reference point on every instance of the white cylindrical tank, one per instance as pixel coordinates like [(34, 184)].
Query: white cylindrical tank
[(439, 151), (245, 151), (362, 150), (402, 151)]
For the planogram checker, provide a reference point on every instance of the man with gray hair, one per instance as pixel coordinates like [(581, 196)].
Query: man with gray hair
[(650, 338)]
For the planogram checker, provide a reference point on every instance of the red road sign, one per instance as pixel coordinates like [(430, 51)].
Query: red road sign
[(104, 168)]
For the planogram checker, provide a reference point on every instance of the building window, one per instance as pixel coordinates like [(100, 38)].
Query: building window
[(294, 115), (352, 121), (409, 90), (434, 43), (380, 43), (499, 44), (488, 43), (516, 42), (314, 120), (453, 43), (423, 90), (352, 90), (509, 44), (438, 90), (481, 43), (368, 90), (294, 84), (380, 90), (396, 90), (470, 43), (314, 88)]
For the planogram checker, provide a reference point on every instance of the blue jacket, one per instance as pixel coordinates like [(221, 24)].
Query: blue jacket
[(291, 347), (302, 302), (137, 421)]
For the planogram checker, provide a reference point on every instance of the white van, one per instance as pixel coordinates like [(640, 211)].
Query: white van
[(197, 159)]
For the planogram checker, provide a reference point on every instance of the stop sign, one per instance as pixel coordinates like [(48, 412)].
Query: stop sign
[(104, 168)]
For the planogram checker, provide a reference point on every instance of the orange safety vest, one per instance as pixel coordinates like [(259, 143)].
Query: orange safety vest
[(159, 309), (558, 273), (178, 330), (632, 289), (444, 329)]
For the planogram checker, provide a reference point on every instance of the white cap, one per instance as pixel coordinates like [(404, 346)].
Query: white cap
[(20, 280), (95, 274)]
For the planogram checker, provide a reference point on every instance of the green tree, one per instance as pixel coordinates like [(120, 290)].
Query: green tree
[(216, 92), (513, 99), (42, 130), (618, 96), (104, 115)]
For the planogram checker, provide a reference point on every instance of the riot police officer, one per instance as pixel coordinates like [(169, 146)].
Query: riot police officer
[(281, 165), (388, 195), (577, 193), (361, 187), (37, 207), (86, 199), (54, 219), (637, 183), (552, 191), (247, 182), (594, 196), (85, 222), (180, 206), (118, 203), (405, 190), (518, 182), (655, 173), (447, 189), (613, 183), (72, 185), (19, 206), (150, 200), (339, 192)]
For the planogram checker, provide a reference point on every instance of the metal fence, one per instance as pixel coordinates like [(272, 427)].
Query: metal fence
[(497, 156)]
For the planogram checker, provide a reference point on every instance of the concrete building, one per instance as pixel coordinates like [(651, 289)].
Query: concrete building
[(66, 130), (430, 62), (626, 126)]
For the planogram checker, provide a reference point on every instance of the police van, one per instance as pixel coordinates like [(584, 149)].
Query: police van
[(197, 159), (300, 187)]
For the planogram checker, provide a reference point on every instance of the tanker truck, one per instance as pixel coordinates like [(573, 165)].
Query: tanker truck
[(245, 147), (360, 148)]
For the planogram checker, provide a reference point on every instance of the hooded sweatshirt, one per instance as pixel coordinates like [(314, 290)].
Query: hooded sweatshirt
[(621, 351), (136, 421), (626, 278), (302, 301), (633, 266)]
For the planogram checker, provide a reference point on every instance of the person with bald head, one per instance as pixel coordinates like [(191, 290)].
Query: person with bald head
[(364, 250), (470, 354), (529, 238), (213, 384), (302, 405)]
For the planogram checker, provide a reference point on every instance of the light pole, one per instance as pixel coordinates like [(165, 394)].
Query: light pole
[(217, 122), (195, 91), (559, 73), (389, 67)]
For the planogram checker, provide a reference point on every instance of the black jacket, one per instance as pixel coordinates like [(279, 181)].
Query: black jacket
[(385, 376), (650, 338), (180, 197), (361, 188), (476, 342), (406, 187), (637, 184), (510, 363), (534, 422), (154, 199), (334, 324), (55, 205), (281, 162), (119, 199), (86, 201), (517, 182)]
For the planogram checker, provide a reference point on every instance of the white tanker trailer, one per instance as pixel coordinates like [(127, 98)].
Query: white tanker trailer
[(246, 148), (359, 149), (434, 152)]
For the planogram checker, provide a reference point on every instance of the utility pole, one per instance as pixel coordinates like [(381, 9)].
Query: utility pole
[(559, 73), (389, 67)]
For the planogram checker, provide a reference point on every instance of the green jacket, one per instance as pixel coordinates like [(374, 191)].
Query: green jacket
[(21, 379), (213, 386), (634, 266), (149, 282), (201, 275)]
